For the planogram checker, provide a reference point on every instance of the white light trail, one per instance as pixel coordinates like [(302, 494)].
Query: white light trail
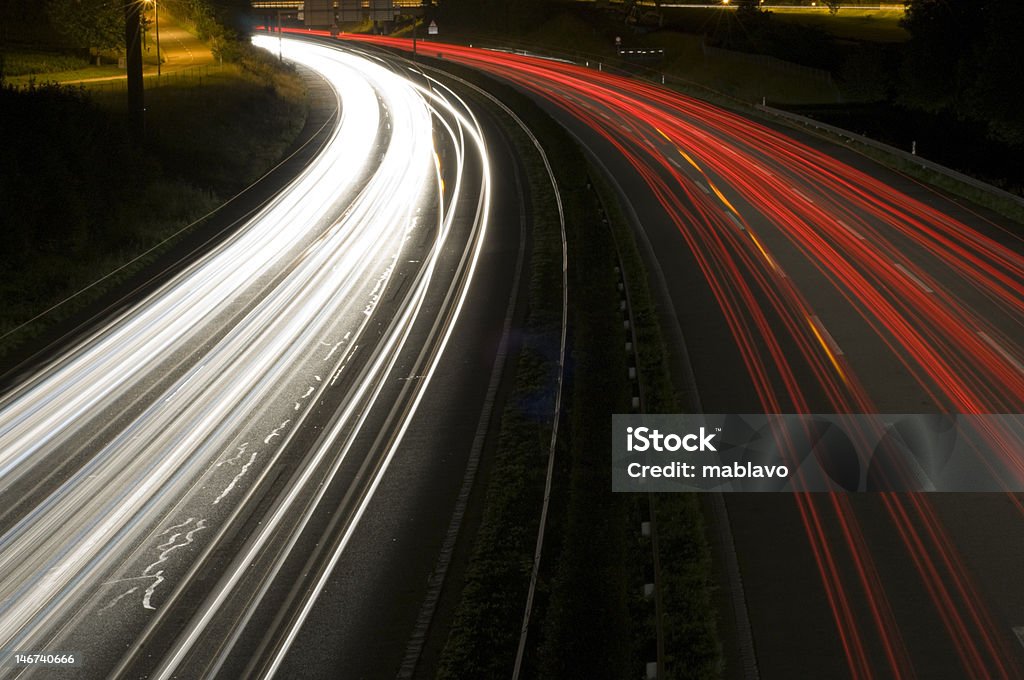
[(220, 362)]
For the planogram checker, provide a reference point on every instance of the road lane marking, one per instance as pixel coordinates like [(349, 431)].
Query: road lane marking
[(802, 195), (233, 459), (850, 229), (828, 343), (736, 221), (120, 597), (910, 275), (722, 197), (689, 160), (765, 254), (1004, 352)]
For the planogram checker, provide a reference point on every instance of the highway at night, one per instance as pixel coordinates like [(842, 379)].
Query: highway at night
[(803, 278), (317, 327), (250, 471)]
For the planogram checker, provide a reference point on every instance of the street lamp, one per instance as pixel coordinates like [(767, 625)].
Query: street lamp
[(156, 21)]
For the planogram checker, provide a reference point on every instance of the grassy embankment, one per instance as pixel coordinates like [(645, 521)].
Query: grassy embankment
[(28, 67), (590, 618), (84, 201), (734, 76), (873, 25)]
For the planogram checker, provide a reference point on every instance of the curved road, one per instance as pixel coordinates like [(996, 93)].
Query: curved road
[(807, 279), (197, 466)]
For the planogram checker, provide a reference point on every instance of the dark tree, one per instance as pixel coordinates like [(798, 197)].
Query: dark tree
[(511, 17), (967, 57), (97, 25)]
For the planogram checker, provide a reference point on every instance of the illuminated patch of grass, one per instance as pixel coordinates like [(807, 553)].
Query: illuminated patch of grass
[(28, 62)]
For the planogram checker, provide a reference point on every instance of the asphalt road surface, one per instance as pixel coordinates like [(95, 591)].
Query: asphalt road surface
[(800, 277), (206, 463)]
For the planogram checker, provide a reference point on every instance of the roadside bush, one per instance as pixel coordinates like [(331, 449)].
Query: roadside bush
[(27, 63), (65, 162)]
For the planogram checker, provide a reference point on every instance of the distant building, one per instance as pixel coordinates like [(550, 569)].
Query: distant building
[(328, 13)]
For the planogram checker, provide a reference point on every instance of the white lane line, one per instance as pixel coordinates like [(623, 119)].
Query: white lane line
[(802, 195), (1019, 632), (910, 275), (850, 229), (171, 544), (735, 220), (343, 365), (309, 390), (829, 340), (165, 548), (1003, 351), (703, 187)]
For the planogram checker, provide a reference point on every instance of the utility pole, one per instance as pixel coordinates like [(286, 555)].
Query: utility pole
[(133, 62)]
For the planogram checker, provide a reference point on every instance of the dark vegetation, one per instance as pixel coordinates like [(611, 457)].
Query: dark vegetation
[(761, 33), (966, 57), (509, 17), (938, 136), (953, 87), (221, 23), (81, 198)]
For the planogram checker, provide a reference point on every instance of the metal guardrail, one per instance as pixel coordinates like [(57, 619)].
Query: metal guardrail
[(900, 153)]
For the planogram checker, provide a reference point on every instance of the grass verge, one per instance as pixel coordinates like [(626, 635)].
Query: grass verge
[(730, 76), (692, 643), (986, 199)]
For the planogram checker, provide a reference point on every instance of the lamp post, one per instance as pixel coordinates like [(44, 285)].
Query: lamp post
[(156, 21)]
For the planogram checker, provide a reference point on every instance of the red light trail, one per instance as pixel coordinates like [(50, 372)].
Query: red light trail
[(746, 199)]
